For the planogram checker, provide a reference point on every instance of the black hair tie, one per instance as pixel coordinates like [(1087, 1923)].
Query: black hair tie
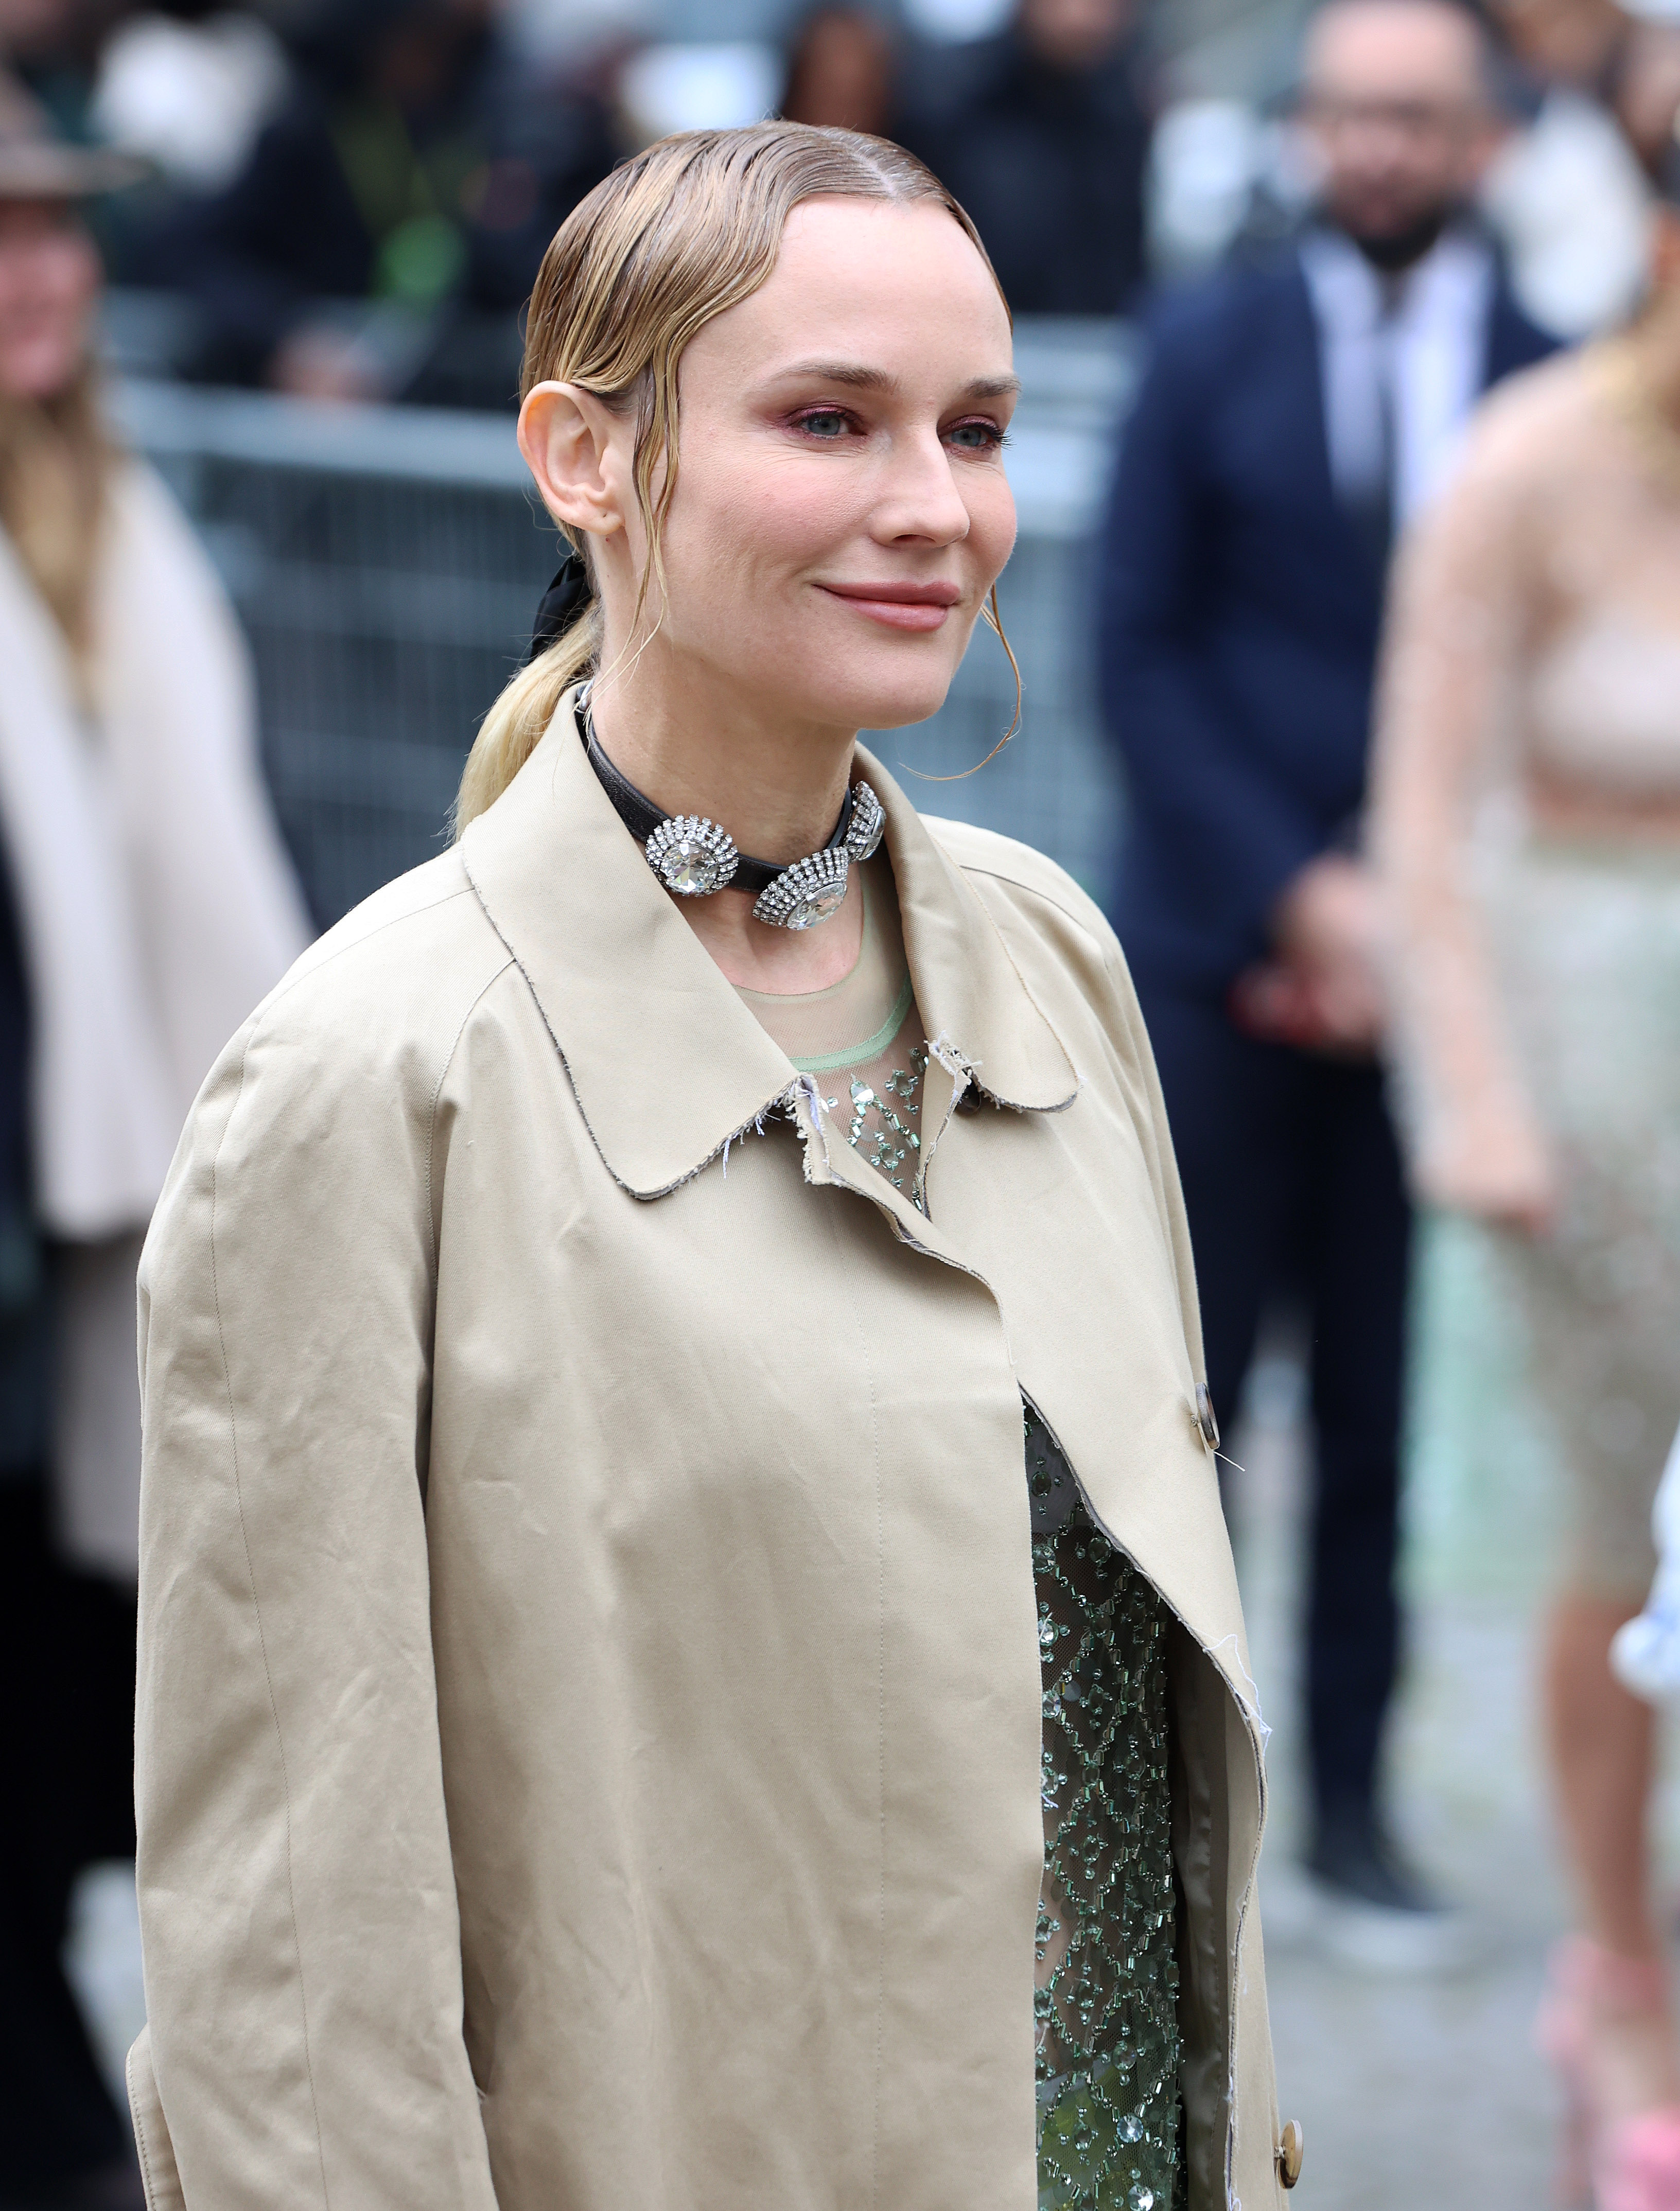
[(559, 606)]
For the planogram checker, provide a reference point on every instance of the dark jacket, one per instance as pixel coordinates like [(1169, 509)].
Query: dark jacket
[(1239, 620), (26, 1364), (1048, 162)]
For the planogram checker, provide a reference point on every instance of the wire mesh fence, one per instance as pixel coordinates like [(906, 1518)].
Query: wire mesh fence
[(386, 563)]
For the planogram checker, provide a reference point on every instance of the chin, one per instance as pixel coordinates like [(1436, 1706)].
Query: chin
[(895, 706), (37, 378), (908, 687)]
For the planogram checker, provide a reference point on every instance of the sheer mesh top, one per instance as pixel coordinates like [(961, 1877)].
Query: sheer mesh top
[(1109, 2111), (1532, 660)]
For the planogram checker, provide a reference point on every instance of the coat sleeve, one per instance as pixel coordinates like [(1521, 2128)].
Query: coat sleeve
[(302, 1949), (1234, 833)]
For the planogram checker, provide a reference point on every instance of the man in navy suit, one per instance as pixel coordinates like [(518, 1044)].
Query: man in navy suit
[(1293, 413)]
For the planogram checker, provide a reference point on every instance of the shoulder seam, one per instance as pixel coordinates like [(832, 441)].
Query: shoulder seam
[(1018, 881), (292, 981), (489, 982)]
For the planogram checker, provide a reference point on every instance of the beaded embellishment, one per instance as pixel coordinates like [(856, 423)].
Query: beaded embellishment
[(868, 821), (1106, 2005), (1110, 2117), (691, 856), (808, 892), (882, 1128)]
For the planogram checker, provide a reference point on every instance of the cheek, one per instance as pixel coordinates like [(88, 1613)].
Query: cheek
[(15, 290), (749, 527), (60, 278), (991, 526), (47, 296), (79, 280)]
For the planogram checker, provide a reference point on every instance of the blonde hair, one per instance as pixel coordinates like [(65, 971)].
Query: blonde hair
[(687, 229), (55, 466)]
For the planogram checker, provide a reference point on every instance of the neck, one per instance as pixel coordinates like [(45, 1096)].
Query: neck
[(775, 782)]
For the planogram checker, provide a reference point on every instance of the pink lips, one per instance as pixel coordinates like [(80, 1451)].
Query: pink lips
[(899, 606)]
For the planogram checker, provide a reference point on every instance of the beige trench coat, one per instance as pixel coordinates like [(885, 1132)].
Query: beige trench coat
[(588, 1691)]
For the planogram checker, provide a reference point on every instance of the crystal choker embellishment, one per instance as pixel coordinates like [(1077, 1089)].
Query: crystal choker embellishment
[(813, 889), (808, 892), (693, 857)]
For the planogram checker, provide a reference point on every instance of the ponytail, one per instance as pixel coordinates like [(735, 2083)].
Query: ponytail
[(512, 729)]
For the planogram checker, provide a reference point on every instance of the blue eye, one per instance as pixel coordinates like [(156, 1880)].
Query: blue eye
[(976, 437), (825, 422)]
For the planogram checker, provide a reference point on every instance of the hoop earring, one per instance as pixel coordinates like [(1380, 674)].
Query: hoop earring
[(994, 621)]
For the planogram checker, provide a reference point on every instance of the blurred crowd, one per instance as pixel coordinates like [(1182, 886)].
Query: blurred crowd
[(349, 198)]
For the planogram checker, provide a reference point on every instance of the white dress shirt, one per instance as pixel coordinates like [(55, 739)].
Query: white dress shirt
[(1420, 340)]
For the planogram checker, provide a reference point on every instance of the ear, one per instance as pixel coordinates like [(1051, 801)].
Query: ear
[(572, 443)]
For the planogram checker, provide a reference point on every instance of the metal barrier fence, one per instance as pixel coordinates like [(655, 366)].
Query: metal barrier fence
[(386, 563)]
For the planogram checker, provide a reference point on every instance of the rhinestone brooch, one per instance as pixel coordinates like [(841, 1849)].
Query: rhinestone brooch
[(869, 820), (812, 890), (807, 892), (691, 856)]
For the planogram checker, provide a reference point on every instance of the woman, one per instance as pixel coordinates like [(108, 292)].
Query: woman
[(144, 902), (590, 1720), (1528, 818)]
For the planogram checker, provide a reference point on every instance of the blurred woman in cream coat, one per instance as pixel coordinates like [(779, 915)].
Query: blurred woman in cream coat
[(144, 902), (689, 1654)]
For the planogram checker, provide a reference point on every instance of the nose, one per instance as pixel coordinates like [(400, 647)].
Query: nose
[(918, 498)]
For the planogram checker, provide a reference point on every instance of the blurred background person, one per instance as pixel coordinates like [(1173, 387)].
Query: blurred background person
[(416, 164), (1568, 194), (1293, 411), (145, 906), (841, 67), (186, 87), (1527, 815), (1043, 134), (50, 48)]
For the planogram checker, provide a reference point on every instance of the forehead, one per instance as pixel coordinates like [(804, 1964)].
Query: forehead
[(856, 274), (1391, 47)]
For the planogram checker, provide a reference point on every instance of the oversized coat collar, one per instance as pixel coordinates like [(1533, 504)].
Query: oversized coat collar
[(667, 1063)]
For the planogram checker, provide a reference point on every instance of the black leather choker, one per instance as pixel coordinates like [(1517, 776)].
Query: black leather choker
[(693, 857)]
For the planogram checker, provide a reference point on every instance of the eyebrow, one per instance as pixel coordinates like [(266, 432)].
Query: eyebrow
[(860, 378)]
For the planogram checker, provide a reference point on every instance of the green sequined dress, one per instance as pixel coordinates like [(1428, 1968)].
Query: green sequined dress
[(1109, 2113)]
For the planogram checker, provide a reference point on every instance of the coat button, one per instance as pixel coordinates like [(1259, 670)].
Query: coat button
[(1290, 2150), (1205, 1419)]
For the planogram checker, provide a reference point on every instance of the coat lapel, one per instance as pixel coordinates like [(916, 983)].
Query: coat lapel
[(667, 1064)]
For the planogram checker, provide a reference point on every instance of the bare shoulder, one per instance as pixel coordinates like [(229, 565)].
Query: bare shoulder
[(1542, 423)]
